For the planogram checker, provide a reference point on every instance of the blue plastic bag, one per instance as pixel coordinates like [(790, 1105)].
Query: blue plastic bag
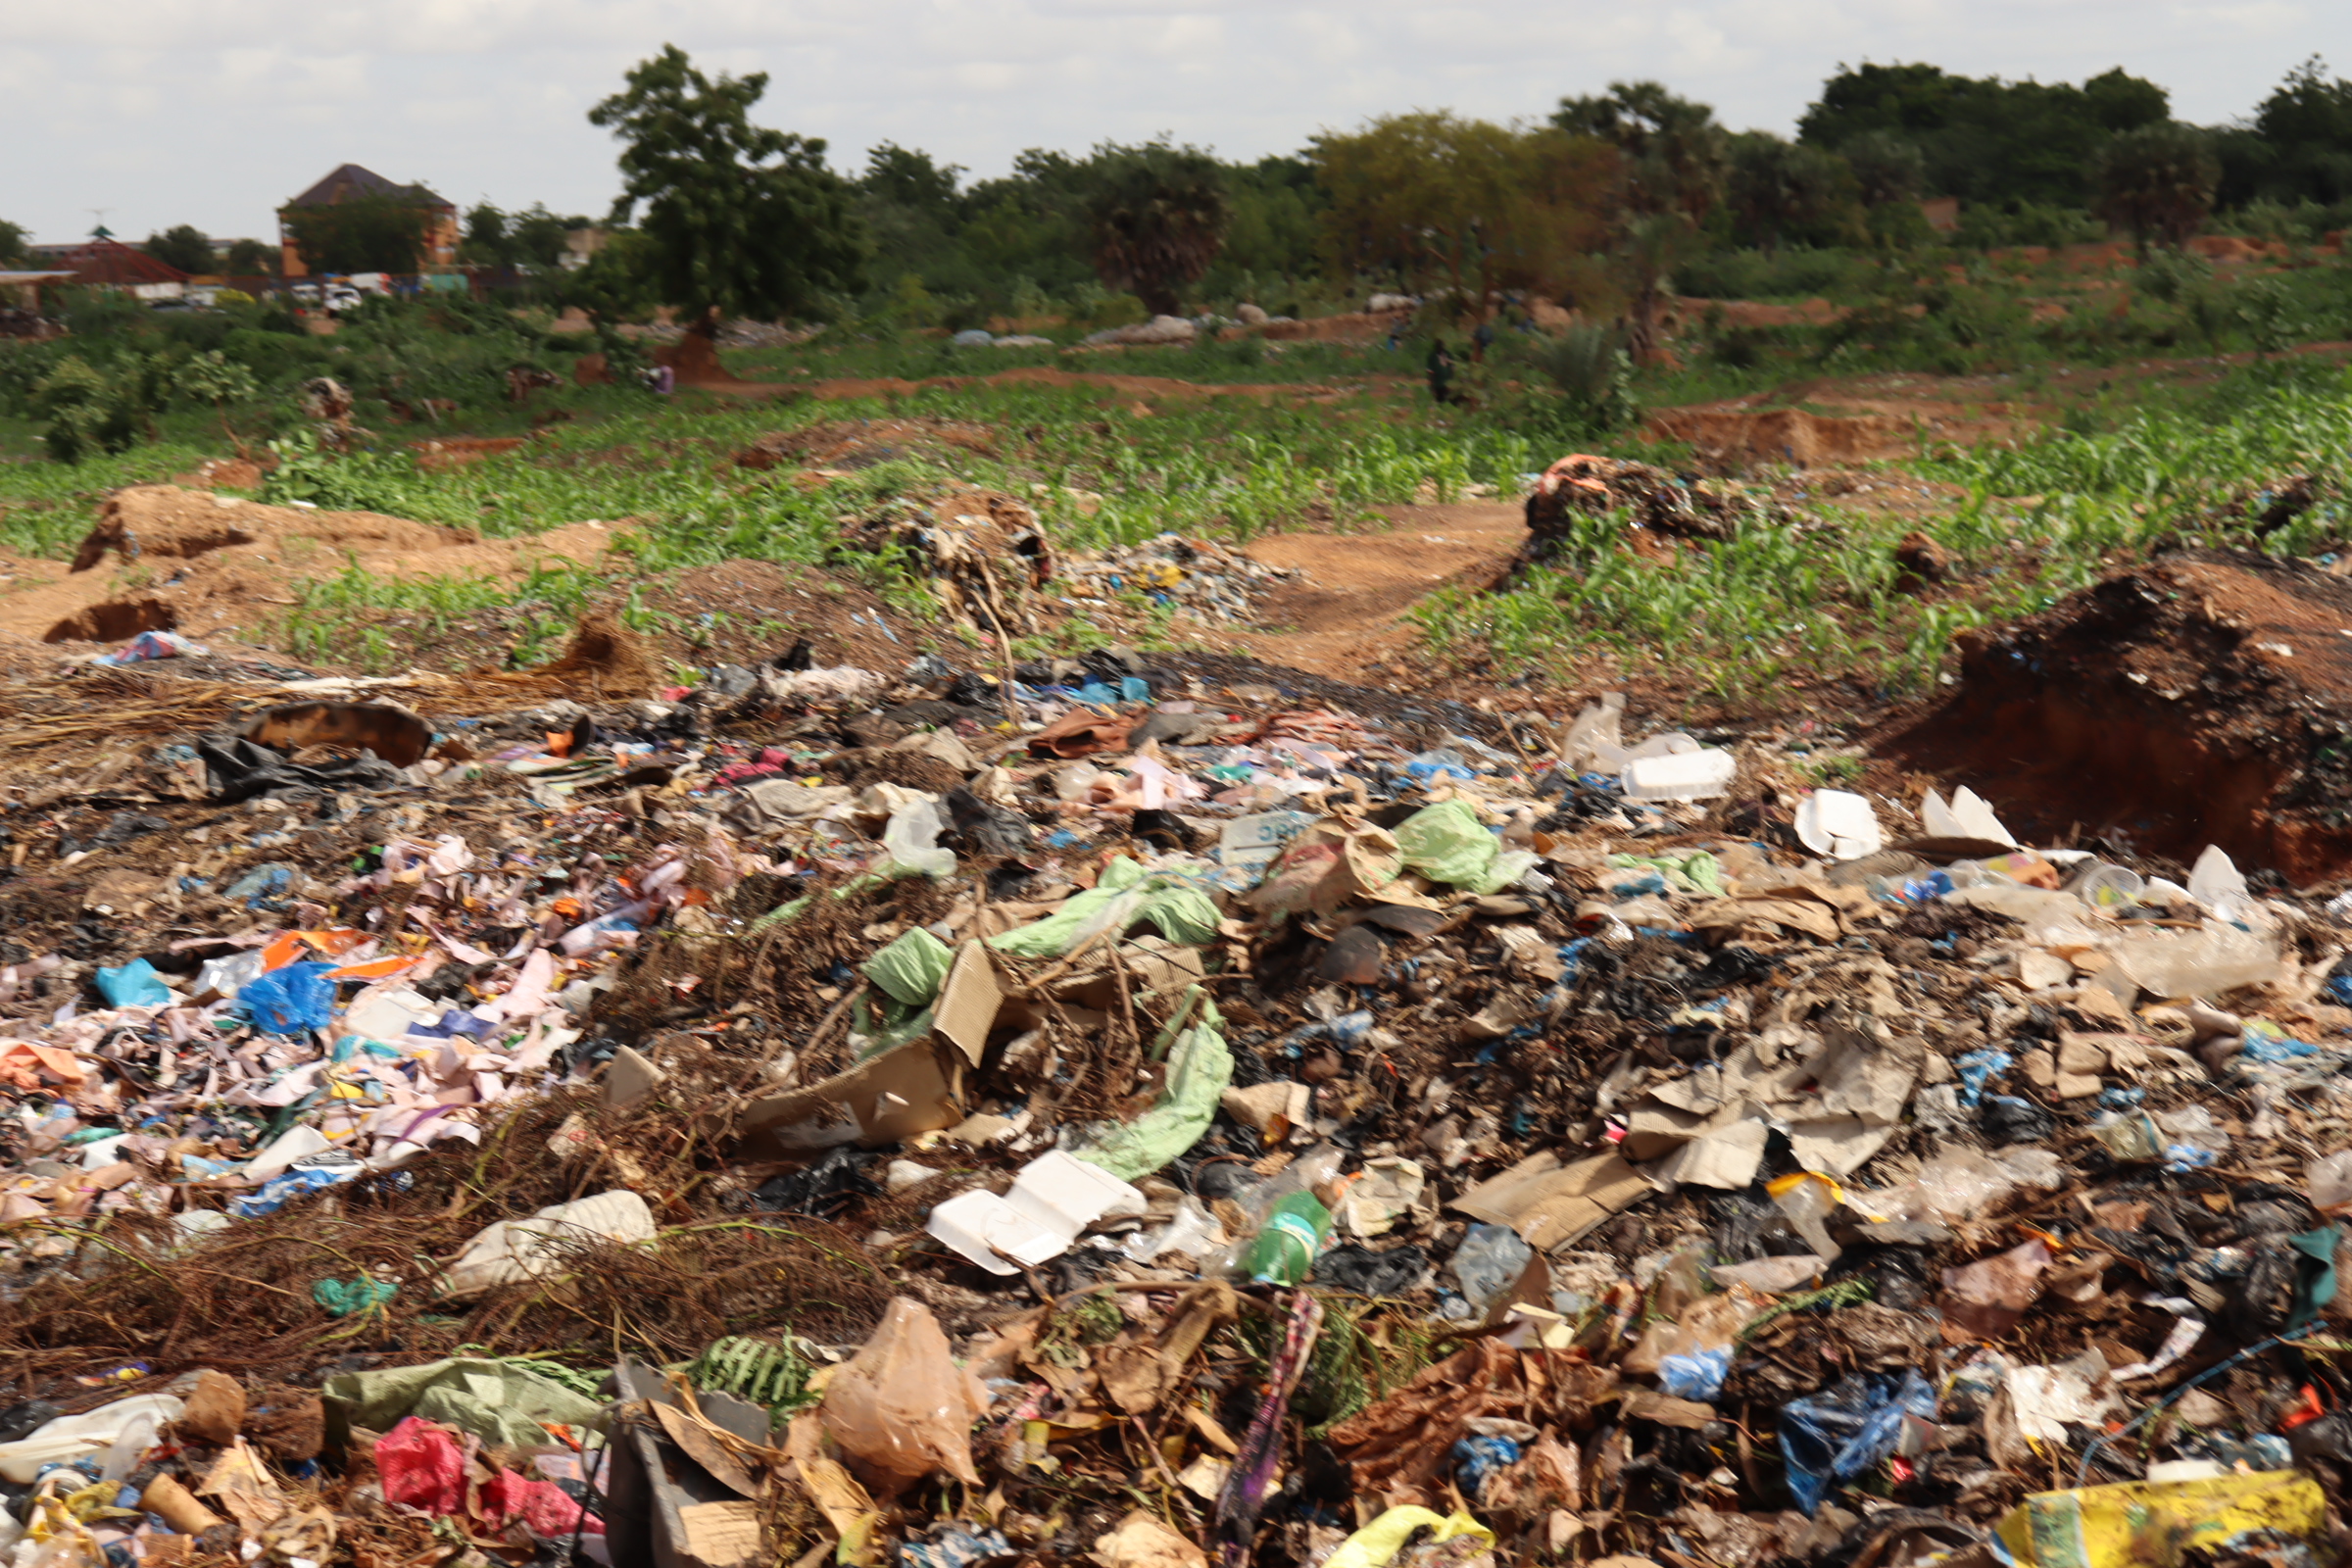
[(300, 1182), (1849, 1429), (133, 985), (1699, 1376), (1478, 1458), (290, 1001)]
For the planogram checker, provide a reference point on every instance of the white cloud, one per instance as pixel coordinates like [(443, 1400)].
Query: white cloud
[(169, 113)]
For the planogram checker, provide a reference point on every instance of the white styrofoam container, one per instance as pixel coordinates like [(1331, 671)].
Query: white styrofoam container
[(1682, 775)]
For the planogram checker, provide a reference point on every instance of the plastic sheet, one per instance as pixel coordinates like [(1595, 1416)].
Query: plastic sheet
[(423, 1467), (1848, 1430), (902, 1404), (291, 1000)]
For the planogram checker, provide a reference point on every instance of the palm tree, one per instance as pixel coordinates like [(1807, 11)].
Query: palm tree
[(1157, 218)]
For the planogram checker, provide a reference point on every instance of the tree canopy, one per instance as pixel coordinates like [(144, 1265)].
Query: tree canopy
[(739, 219), (184, 246), (1156, 216), (2157, 181), (1432, 200), (1984, 139), (367, 234)]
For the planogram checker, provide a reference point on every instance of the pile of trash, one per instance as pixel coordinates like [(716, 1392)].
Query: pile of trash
[(1212, 582), (1079, 1111)]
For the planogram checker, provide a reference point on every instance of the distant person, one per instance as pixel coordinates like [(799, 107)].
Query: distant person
[(1440, 372), (1482, 340)]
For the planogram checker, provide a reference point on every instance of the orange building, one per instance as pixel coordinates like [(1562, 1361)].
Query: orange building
[(351, 183)]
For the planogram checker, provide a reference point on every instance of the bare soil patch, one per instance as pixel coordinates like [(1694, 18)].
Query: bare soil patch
[(2204, 699), (165, 559)]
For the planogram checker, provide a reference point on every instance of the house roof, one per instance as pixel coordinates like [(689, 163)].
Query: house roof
[(108, 260), (351, 183)]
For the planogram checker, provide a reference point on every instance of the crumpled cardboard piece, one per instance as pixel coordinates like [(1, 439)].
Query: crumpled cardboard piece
[(1550, 1205), (1141, 1541), (1841, 1102), (915, 1088)]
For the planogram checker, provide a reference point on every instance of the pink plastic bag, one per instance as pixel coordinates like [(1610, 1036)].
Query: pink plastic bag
[(423, 1465), (902, 1404), (551, 1514)]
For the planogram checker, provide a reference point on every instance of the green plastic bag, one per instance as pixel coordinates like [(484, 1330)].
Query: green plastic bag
[(911, 969), (497, 1401), (1126, 894), (1447, 842), (1200, 1070)]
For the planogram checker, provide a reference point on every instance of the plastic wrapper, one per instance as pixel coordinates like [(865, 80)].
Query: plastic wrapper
[(134, 985), (2112, 1527), (547, 1509), (1447, 842), (1125, 894), (1378, 1543), (1848, 1430), (1199, 1067), (291, 1000), (912, 968), (902, 1405), (911, 841), (1489, 1263), (423, 1467)]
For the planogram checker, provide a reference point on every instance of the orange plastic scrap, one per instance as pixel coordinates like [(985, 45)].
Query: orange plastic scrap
[(375, 968), (23, 1065)]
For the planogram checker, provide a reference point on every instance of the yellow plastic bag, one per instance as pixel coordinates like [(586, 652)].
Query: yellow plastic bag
[(2158, 1520), (1381, 1539)]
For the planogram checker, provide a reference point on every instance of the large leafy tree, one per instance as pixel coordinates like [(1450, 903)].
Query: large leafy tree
[(1776, 186), (1432, 201), (2157, 181), (184, 246), (1672, 155), (1984, 139), (11, 241), (533, 237), (1155, 217), (1886, 168), (739, 219), (367, 234)]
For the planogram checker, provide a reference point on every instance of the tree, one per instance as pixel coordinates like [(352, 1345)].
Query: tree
[(366, 234), (184, 246), (1777, 185), (1990, 141), (1673, 157), (250, 258), (1156, 218), (531, 238), (11, 241), (1888, 167), (2305, 129), (910, 178), (739, 219), (2157, 181), (1432, 201)]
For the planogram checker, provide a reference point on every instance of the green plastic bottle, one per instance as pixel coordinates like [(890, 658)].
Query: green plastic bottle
[(1287, 1244)]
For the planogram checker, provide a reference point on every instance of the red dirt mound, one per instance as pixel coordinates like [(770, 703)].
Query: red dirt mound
[(162, 559), (2200, 700), (1784, 435)]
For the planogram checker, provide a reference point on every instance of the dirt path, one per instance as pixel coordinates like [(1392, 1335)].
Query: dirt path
[(1349, 613)]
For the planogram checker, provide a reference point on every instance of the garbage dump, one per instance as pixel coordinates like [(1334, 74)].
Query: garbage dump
[(1110, 1110)]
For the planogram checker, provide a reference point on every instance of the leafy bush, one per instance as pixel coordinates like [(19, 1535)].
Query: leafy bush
[(85, 411), (1788, 275)]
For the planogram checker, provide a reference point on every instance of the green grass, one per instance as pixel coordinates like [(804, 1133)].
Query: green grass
[(1780, 602)]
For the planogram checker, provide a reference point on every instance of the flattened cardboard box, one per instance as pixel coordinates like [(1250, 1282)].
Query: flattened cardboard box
[(916, 1088)]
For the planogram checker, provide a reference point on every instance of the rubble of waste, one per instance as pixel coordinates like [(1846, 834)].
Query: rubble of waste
[(1088, 1111)]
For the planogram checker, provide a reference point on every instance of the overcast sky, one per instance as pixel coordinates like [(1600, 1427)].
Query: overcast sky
[(163, 112)]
